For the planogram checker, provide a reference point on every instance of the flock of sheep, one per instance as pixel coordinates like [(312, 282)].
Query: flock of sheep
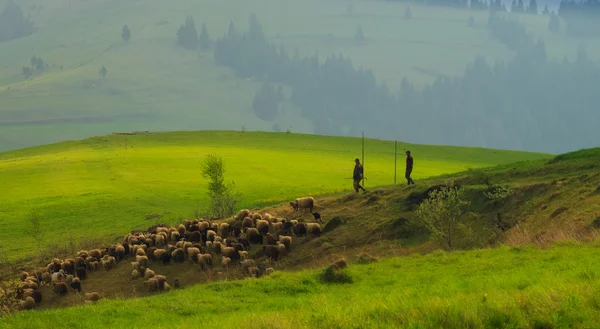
[(197, 241)]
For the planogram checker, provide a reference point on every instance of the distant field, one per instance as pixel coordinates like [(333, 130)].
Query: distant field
[(505, 287), (153, 84), (104, 186)]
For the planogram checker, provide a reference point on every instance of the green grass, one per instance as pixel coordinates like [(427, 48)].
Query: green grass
[(496, 288), (104, 186), (153, 84)]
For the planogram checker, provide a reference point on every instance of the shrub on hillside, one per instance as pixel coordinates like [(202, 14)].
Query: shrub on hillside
[(442, 215), (223, 199), (336, 273), (365, 258), (13, 23), (9, 296)]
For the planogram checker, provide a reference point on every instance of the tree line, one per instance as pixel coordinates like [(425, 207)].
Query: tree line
[(13, 23), (581, 17), (527, 103), (518, 6)]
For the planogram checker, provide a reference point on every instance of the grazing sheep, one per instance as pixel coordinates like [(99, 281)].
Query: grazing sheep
[(176, 284), (178, 255), (135, 265), (253, 271), (179, 244), (210, 235), (254, 236), (166, 287), (317, 216), (143, 260), (256, 216), (303, 203), (61, 288), (160, 240), (140, 252), (225, 261), (313, 228), (92, 297), (217, 247), (230, 252), (281, 248), (193, 254), (209, 245), (203, 227), (58, 277), (272, 252), (109, 265), (243, 255), (286, 241), (224, 230), (271, 239), (76, 285), (247, 222), (149, 274), (205, 261), (175, 236), (276, 227), (95, 253), (247, 263), (161, 281), (242, 214), (269, 271), (269, 218), (46, 277), (135, 275), (28, 303), (181, 229), (262, 226), (35, 294), (300, 229)]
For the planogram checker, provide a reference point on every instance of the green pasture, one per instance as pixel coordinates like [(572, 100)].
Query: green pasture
[(495, 288), (104, 186)]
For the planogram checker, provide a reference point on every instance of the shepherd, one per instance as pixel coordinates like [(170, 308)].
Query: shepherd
[(358, 175), (409, 167)]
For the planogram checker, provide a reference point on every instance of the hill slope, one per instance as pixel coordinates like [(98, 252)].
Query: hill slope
[(103, 186)]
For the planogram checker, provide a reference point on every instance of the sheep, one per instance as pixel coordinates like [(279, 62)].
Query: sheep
[(181, 230), (108, 265), (314, 228), (152, 284), (179, 244), (178, 255), (143, 260), (303, 203), (281, 248), (230, 252), (160, 240), (272, 252), (46, 277), (243, 255), (269, 270), (163, 256), (175, 236), (271, 239), (176, 284), (205, 260), (253, 271), (257, 216), (92, 297), (247, 222), (69, 279), (35, 294), (135, 275), (299, 229), (242, 214), (60, 288), (276, 227), (161, 281), (28, 303), (76, 285), (23, 275), (262, 226), (166, 287), (149, 274), (254, 236), (140, 252), (193, 254), (225, 262), (209, 245), (245, 264), (224, 230), (58, 277), (286, 241), (269, 218), (217, 247), (95, 253), (317, 216), (210, 235), (135, 265)]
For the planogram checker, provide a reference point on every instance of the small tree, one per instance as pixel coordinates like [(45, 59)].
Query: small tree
[(204, 39), (103, 72), (442, 213), (34, 229), (408, 13), (223, 200), (359, 36), (533, 7), (126, 33), (546, 10)]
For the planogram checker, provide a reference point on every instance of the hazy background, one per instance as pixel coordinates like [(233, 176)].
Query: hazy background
[(393, 69)]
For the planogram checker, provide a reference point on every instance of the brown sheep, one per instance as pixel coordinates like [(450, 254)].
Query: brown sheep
[(247, 222), (205, 261), (262, 226), (178, 255), (271, 239), (299, 229), (269, 271), (149, 274), (203, 227), (253, 271), (28, 303), (281, 249), (217, 247), (303, 203), (210, 235), (140, 252), (143, 260), (135, 275), (230, 252), (245, 264), (175, 236), (224, 230), (152, 284), (193, 254), (271, 252), (23, 276), (286, 241), (256, 216), (243, 255), (276, 227), (225, 261), (61, 288), (242, 214), (313, 228), (92, 297)]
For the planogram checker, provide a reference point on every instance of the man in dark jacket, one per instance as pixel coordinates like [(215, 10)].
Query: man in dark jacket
[(409, 167), (358, 175)]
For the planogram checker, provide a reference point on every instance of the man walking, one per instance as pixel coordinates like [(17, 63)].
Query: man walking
[(358, 175), (409, 167)]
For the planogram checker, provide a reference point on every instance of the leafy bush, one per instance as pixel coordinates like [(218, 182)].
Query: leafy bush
[(10, 292), (223, 199), (334, 274)]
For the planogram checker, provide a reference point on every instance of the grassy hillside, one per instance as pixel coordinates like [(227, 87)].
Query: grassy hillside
[(497, 288), (104, 186), (153, 84)]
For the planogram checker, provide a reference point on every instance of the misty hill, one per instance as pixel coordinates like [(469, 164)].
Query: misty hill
[(391, 69)]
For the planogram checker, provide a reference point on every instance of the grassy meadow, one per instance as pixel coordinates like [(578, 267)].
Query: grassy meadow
[(518, 287), (104, 186), (153, 84)]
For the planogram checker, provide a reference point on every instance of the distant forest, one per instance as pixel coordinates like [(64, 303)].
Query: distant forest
[(526, 103)]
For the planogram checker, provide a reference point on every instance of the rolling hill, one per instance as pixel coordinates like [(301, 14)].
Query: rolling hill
[(555, 200), (103, 186), (152, 84)]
